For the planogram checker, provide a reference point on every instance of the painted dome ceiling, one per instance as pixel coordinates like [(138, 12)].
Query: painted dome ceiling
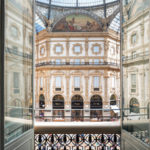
[(77, 15)]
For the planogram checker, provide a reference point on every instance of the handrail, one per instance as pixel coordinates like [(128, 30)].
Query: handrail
[(75, 64), (137, 55)]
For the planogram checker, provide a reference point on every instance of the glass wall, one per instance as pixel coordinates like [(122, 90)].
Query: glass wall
[(136, 65), (18, 63)]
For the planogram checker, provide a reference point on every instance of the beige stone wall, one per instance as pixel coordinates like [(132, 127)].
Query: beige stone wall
[(109, 46), (136, 58)]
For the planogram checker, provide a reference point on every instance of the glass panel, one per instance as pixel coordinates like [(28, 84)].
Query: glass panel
[(58, 82), (113, 82), (96, 49), (77, 49), (16, 82), (136, 77), (96, 82), (133, 39), (41, 82), (58, 61), (77, 82), (42, 51), (96, 61), (77, 61), (18, 67), (58, 49), (133, 83)]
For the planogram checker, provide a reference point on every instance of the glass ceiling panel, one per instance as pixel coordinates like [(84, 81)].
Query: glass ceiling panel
[(115, 24), (74, 3)]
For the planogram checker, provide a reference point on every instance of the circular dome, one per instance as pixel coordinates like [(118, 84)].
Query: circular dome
[(76, 3)]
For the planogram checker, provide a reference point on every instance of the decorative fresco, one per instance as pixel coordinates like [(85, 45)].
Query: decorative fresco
[(77, 23)]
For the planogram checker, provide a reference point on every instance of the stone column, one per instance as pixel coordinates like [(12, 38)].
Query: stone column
[(87, 113), (106, 48), (68, 101), (106, 99), (141, 92), (48, 48), (86, 48), (67, 50), (67, 89)]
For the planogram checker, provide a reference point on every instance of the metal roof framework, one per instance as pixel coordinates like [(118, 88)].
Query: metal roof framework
[(49, 11)]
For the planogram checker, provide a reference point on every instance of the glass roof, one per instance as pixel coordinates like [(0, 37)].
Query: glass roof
[(39, 25), (74, 3), (115, 24)]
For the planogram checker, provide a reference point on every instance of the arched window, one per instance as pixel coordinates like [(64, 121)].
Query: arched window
[(58, 107), (113, 100), (96, 106), (77, 108), (41, 101), (58, 102), (134, 105)]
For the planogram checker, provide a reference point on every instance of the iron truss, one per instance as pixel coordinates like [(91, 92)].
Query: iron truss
[(77, 141), (106, 14)]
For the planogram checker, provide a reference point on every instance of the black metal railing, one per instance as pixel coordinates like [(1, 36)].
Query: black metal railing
[(50, 63), (83, 115), (77, 141), (135, 56)]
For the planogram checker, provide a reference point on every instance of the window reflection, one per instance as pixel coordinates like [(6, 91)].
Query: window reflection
[(18, 68), (136, 87)]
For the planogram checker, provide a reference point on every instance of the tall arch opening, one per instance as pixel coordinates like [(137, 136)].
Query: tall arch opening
[(96, 105), (134, 106), (113, 100), (41, 101), (58, 107), (41, 105), (77, 108)]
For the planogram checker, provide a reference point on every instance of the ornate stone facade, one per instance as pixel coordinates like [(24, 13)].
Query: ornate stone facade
[(136, 55), (90, 64)]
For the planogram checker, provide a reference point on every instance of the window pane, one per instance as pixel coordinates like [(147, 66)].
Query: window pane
[(58, 49), (133, 38), (16, 80), (77, 49), (135, 72), (77, 61), (133, 80), (96, 61), (58, 61), (18, 68), (113, 82), (42, 51), (96, 49), (96, 82), (58, 82), (77, 82), (41, 82)]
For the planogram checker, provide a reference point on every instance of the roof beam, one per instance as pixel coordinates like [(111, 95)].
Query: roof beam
[(95, 6), (105, 8), (49, 9)]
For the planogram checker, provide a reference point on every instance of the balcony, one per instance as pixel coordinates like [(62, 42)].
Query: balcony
[(71, 131), (136, 57), (82, 120), (63, 65)]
